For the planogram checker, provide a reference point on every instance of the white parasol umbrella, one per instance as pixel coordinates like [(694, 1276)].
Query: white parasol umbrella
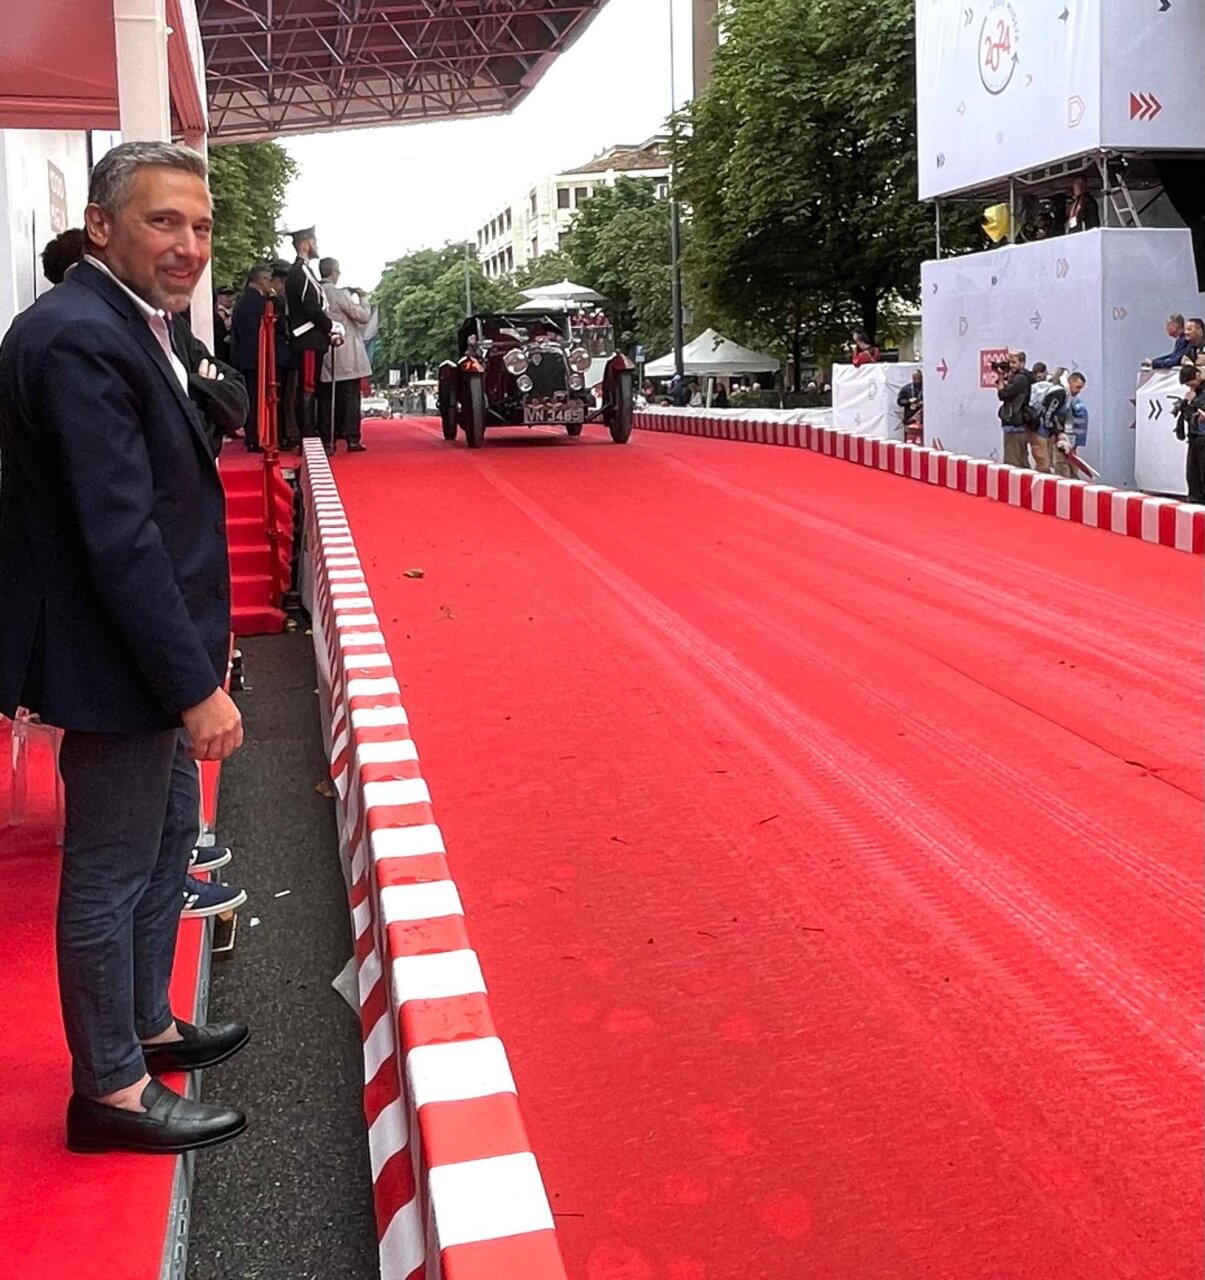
[(546, 303), (564, 291)]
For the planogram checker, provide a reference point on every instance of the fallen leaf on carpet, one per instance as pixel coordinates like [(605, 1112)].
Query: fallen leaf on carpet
[(414, 573), (324, 788)]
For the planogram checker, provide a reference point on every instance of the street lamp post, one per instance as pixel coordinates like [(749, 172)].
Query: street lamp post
[(675, 218), (468, 282)]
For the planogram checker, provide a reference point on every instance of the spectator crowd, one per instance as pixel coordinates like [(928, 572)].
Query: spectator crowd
[(1045, 419)]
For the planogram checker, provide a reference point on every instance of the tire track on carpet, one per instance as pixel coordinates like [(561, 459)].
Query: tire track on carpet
[(1112, 1085), (1136, 671), (1148, 1005), (1180, 894)]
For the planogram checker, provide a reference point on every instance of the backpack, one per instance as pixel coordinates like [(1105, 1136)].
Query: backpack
[(1054, 409)]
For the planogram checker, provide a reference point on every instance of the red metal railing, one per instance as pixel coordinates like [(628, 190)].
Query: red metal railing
[(267, 403)]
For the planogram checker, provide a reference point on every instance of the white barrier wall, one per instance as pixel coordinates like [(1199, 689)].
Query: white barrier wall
[(1095, 302), (43, 190), (864, 399), (1005, 86), (1159, 458)]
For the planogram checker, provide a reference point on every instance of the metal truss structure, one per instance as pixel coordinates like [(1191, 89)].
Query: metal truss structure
[(277, 67)]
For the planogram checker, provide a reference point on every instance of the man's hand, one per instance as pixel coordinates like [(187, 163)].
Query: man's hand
[(215, 727), (208, 370)]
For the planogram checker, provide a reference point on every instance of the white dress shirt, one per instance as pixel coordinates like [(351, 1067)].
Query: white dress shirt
[(157, 320)]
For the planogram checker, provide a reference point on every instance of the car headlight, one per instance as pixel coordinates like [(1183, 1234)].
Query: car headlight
[(579, 359), (576, 382), (515, 361), (525, 383)]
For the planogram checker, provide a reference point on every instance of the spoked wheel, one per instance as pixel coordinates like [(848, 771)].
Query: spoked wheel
[(473, 406)]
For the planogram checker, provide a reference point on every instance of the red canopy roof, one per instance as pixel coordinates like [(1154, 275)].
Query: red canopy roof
[(300, 66), (276, 67)]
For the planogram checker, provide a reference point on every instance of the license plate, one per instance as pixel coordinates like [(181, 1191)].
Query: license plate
[(538, 415)]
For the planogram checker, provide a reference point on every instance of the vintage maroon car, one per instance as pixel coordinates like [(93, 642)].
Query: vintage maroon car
[(524, 370)]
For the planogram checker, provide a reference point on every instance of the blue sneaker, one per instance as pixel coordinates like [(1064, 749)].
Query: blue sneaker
[(202, 898), (208, 858)]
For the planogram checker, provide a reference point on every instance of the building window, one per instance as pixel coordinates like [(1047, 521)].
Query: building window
[(508, 219), (562, 197), (534, 209), (535, 246), (510, 260), (662, 190), (580, 196)]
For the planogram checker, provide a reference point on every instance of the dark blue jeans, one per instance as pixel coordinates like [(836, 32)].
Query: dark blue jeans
[(133, 816)]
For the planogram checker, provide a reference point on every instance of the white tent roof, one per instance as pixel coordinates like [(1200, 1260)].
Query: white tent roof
[(711, 355)]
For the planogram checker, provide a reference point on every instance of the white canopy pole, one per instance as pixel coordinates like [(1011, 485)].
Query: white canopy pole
[(143, 91)]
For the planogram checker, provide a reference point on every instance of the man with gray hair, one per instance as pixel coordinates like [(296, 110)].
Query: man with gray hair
[(115, 628)]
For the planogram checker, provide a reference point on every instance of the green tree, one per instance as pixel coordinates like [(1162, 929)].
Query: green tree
[(421, 304), (619, 246), (248, 182), (798, 165), (548, 268)]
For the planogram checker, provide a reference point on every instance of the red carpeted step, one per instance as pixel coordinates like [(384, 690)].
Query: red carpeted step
[(248, 591), (252, 607), (258, 620), (250, 561), (245, 505)]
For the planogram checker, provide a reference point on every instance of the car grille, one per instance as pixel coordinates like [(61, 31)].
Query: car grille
[(549, 376)]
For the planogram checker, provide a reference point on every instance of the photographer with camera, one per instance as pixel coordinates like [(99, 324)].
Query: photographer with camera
[(1190, 426), (1014, 383)]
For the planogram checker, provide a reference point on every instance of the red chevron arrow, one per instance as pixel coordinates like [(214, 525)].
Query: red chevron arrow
[(1144, 106), (944, 370)]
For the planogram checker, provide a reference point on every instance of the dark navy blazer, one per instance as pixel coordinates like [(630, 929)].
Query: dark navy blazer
[(114, 579)]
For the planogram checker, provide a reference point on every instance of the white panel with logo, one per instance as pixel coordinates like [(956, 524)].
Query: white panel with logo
[(865, 399), (1094, 302), (1007, 86)]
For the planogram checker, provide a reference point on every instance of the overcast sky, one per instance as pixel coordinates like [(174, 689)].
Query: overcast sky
[(376, 194)]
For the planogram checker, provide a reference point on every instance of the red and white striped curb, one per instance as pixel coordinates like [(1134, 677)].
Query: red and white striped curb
[(458, 1193), (1136, 515)]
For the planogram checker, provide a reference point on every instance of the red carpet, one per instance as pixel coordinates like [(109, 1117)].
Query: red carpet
[(62, 1217), (832, 845)]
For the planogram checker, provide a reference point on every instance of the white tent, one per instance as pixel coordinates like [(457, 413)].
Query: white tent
[(711, 355)]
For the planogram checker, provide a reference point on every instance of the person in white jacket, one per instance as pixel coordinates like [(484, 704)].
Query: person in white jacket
[(345, 365)]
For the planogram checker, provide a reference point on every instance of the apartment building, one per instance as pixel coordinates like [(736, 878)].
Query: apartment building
[(536, 223)]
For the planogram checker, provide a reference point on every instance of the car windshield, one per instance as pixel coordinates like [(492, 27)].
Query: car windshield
[(510, 330)]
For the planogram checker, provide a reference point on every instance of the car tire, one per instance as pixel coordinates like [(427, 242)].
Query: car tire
[(447, 404), (619, 420), (447, 419), (474, 412)]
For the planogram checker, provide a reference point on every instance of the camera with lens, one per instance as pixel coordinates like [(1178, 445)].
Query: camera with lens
[(1001, 367), (1185, 408)]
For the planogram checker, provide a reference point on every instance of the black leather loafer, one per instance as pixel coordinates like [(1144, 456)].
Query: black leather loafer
[(200, 1047), (169, 1125)]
